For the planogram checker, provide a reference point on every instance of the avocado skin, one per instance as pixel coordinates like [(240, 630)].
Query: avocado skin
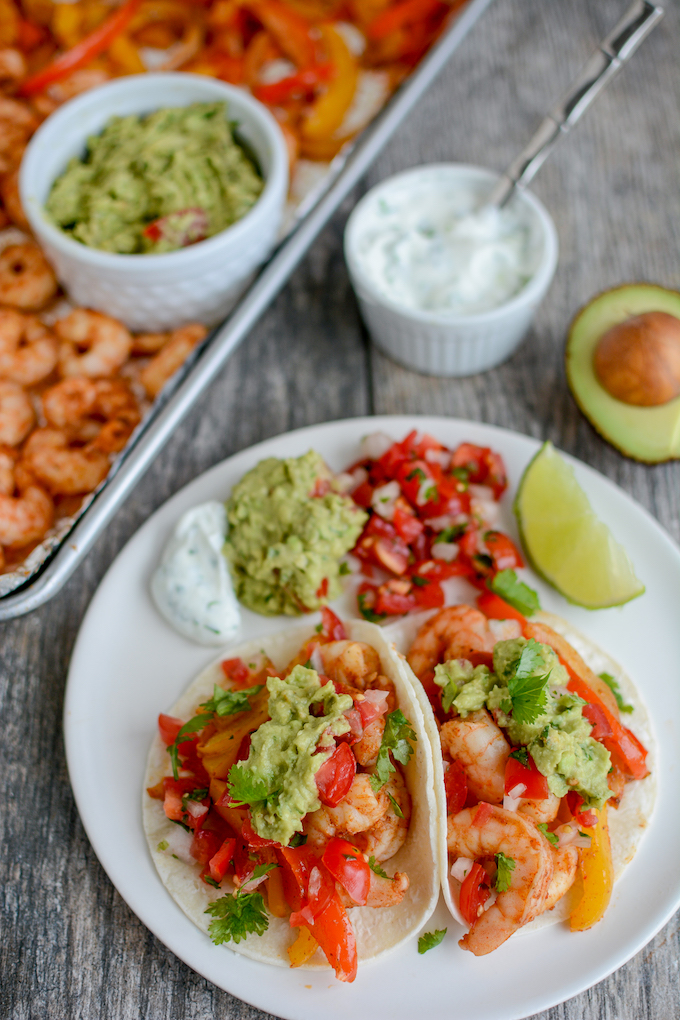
[(650, 435)]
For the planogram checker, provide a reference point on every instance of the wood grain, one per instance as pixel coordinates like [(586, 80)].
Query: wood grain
[(70, 948)]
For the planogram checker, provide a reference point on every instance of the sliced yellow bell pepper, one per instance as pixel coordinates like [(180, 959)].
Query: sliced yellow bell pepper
[(328, 112), (124, 54), (276, 899), (597, 874), (303, 948)]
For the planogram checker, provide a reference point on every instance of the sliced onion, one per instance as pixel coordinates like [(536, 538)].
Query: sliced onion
[(179, 842), (461, 868), (375, 445), (513, 797), (254, 882), (276, 70), (383, 499), (446, 551)]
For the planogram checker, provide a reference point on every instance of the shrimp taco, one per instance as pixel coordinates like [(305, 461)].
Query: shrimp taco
[(543, 791), (289, 804)]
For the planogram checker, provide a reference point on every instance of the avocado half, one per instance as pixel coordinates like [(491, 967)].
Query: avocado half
[(648, 434)]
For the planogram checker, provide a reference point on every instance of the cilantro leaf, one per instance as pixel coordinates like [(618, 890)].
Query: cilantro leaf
[(298, 839), (344, 568), (230, 702), (528, 684), (237, 916), (395, 807), (419, 581), (614, 686), (398, 732), (262, 869), (210, 881), (515, 592), (416, 473), (451, 534), (550, 836), (521, 754), (375, 867), (367, 612), (505, 865), (244, 787), (198, 722), (430, 939)]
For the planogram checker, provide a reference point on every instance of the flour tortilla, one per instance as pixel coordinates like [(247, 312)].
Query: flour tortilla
[(627, 824), (377, 930)]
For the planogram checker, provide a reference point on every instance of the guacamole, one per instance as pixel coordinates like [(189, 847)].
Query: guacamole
[(538, 713), (154, 184), (288, 530), (277, 779)]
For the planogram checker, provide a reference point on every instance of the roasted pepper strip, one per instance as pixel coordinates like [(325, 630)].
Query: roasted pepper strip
[(303, 948), (288, 28), (597, 873), (295, 84), (405, 13), (85, 51), (328, 112)]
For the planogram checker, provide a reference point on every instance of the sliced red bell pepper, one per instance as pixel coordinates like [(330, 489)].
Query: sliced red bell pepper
[(289, 29), (220, 861), (625, 748), (456, 787), (348, 867), (599, 722), (335, 777), (84, 52), (474, 892), (535, 782), (332, 929), (333, 629), (584, 818), (299, 84), (496, 608)]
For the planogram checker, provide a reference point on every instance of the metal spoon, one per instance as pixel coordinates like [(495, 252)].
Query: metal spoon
[(614, 50)]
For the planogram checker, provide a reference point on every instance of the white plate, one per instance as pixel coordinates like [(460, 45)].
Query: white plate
[(128, 665)]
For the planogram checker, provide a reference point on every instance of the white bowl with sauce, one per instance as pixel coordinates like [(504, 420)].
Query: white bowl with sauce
[(201, 282), (443, 296)]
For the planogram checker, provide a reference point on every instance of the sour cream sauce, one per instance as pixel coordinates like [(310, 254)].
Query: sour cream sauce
[(423, 245), (192, 587)]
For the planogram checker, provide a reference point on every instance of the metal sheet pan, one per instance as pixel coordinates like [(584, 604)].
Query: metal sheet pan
[(199, 371)]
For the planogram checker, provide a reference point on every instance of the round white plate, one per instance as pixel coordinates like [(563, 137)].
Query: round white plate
[(128, 665)]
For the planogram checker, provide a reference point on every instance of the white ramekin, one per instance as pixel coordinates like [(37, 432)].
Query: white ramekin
[(154, 292), (432, 342)]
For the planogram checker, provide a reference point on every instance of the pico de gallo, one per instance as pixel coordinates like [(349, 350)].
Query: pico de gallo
[(433, 514), (262, 776)]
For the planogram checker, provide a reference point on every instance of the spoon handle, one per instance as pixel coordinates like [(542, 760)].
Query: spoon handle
[(614, 50)]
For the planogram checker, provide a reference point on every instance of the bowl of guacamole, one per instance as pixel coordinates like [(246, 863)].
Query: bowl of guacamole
[(157, 196)]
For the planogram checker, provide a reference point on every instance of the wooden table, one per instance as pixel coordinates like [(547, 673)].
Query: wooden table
[(70, 947)]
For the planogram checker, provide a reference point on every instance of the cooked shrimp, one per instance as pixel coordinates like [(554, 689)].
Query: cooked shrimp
[(540, 811), (359, 810), (26, 516), (16, 413), (389, 832), (12, 66), (102, 410), (149, 343), (509, 833), (366, 749), (565, 862), (382, 892), (27, 280), (64, 470), (28, 350), (454, 633), (352, 663), (173, 354), (92, 344), (17, 124), (479, 745), (9, 193)]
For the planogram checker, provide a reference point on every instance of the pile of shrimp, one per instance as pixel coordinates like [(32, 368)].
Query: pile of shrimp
[(543, 873), (71, 394)]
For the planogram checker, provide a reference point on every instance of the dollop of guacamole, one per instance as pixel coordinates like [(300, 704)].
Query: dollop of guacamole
[(287, 751), (285, 542), (181, 162), (557, 737)]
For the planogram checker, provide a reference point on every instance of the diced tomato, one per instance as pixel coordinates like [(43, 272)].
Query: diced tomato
[(496, 478), (406, 523), (600, 723), (363, 494), (391, 554), (322, 590), (252, 838), (470, 457), (333, 629), (392, 604), (236, 671), (468, 543), (448, 499), (419, 482), (496, 608), (204, 845), (168, 728), (335, 777), (348, 867), (439, 570), (193, 812), (456, 787), (244, 864), (502, 551), (220, 861), (369, 711), (585, 818), (474, 892), (429, 595), (535, 782), (482, 814)]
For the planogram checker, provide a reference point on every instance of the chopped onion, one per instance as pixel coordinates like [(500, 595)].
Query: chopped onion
[(316, 660), (179, 842), (375, 445), (353, 562), (481, 492), (442, 457), (383, 499), (460, 868), (514, 796), (254, 882), (568, 835), (446, 551), (360, 475), (377, 698), (493, 896), (344, 482), (195, 808), (486, 510)]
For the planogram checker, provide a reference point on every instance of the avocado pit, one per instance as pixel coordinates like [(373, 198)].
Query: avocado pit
[(638, 360)]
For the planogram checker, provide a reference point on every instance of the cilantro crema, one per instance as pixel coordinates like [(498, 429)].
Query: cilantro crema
[(614, 687), (505, 867), (398, 732), (430, 939), (515, 592)]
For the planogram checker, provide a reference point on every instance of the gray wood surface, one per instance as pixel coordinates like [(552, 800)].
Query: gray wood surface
[(69, 946)]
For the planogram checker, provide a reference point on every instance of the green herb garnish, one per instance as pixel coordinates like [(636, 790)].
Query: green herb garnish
[(528, 684), (375, 867), (398, 732), (515, 592), (430, 939), (505, 866), (614, 687), (550, 836)]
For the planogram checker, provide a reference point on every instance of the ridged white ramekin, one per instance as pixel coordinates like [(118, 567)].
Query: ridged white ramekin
[(200, 283), (432, 342)]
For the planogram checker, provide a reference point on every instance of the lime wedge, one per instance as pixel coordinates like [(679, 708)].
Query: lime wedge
[(566, 542)]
